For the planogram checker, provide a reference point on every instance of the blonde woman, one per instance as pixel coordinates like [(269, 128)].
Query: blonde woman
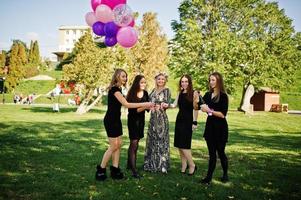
[(156, 158), (113, 125)]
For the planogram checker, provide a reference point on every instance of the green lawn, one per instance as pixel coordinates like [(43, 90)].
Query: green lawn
[(46, 155)]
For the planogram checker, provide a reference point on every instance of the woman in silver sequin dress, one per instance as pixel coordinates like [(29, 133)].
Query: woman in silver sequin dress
[(156, 158)]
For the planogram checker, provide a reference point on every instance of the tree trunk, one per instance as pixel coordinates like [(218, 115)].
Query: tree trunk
[(244, 89), (245, 103), (84, 107)]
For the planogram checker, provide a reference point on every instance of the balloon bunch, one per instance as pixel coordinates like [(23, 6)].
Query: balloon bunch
[(114, 20)]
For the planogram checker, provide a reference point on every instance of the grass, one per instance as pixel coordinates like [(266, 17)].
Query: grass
[(46, 155)]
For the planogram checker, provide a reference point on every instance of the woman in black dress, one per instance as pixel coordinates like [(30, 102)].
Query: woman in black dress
[(216, 130), (113, 125), (186, 122), (136, 120)]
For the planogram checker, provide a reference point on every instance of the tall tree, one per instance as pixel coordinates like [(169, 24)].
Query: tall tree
[(22, 53), (249, 41), (91, 67), (2, 59), (15, 68), (34, 53), (150, 55), (30, 53)]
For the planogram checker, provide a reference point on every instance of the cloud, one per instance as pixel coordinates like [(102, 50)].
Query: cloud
[(32, 36)]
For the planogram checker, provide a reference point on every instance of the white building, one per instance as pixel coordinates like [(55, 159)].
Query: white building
[(68, 36)]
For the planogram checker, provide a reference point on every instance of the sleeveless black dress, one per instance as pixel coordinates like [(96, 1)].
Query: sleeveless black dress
[(183, 128), (112, 119), (136, 121)]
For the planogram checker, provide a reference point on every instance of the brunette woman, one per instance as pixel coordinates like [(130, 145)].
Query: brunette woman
[(113, 126), (216, 129)]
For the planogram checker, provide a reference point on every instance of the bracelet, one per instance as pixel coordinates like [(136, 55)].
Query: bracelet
[(195, 123), (210, 112)]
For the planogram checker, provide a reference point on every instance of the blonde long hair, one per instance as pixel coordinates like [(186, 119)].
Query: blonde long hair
[(161, 74), (116, 78)]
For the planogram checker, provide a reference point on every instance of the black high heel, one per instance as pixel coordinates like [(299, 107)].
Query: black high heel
[(195, 168)]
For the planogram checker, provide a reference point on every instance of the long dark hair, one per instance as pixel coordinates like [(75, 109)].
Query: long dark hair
[(132, 93), (116, 78), (219, 84), (189, 88)]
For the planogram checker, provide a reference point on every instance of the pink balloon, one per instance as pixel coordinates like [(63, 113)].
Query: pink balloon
[(113, 3), (95, 3), (90, 18), (127, 37), (104, 13)]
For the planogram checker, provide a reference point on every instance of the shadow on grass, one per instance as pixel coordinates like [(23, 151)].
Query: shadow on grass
[(48, 160)]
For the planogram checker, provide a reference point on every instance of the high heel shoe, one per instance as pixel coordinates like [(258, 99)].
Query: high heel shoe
[(195, 168), (185, 170)]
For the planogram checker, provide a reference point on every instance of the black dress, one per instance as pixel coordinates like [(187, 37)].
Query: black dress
[(216, 129), (136, 120), (112, 119), (183, 128)]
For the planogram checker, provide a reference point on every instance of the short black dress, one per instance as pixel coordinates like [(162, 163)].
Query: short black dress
[(136, 120), (216, 129), (112, 119), (183, 128)]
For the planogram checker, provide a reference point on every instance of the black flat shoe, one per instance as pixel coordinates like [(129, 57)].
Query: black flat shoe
[(206, 180), (195, 168)]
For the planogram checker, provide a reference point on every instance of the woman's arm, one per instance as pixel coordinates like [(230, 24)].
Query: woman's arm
[(206, 109), (126, 104), (175, 103)]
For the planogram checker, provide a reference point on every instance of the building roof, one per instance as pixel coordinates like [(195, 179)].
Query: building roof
[(63, 27), (268, 89)]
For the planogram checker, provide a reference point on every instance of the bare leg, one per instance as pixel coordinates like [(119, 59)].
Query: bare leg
[(188, 156), (116, 154), (183, 161), (109, 152)]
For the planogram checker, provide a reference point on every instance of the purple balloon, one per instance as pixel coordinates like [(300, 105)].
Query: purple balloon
[(111, 29), (98, 28), (110, 41)]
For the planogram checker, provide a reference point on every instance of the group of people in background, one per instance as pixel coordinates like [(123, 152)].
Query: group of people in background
[(157, 149), (20, 99)]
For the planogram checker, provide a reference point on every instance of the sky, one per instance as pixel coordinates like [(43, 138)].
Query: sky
[(40, 19)]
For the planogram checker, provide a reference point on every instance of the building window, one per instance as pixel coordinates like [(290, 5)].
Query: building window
[(74, 40), (67, 32), (74, 32), (68, 49), (67, 41)]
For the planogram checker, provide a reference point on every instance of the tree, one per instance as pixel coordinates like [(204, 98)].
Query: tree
[(150, 55), (34, 53), (91, 67), (15, 68), (249, 41), (2, 59), (22, 54)]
